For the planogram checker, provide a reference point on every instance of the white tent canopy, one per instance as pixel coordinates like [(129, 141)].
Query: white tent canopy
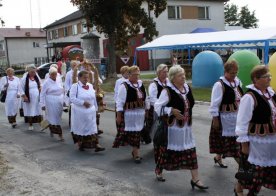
[(245, 38)]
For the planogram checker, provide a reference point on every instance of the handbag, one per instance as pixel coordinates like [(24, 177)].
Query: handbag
[(3, 94), (160, 137), (44, 124), (245, 172)]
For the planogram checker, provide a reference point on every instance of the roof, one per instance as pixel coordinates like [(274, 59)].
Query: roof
[(203, 30), (22, 32), (90, 35), (71, 17), (249, 38)]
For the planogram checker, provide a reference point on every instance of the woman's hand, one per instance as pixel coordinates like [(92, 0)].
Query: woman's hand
[(216, 122), (177, 114), (25, 98), (245, 148), (86, 104), (119, 118)]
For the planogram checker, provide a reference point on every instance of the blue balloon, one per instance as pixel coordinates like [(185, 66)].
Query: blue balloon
[(207, 68)]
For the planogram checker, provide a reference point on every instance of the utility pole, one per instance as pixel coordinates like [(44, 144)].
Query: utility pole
[(31, 14)]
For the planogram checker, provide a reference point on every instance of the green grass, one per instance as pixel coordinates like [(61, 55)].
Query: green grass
[(147, 76), (200, 94)]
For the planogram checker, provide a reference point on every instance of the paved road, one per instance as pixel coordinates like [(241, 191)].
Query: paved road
[(43, 166)]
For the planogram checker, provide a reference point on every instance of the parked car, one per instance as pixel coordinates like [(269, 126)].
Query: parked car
[(43, 69), (2, 72)]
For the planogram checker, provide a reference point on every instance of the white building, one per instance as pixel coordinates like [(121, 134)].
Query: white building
[(22, 46), (183, 16), (180, 16)]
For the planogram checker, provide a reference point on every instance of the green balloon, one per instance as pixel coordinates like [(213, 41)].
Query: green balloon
[(246, 60)]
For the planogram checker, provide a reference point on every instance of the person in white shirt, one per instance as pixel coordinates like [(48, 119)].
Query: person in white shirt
[(124, 73), (83, 119), (256, 132), (59, 77), (225, 99), (131, 108), (69, 78), (155, 88), (51, 100), (31, 86), (178, 151), (13, 86)]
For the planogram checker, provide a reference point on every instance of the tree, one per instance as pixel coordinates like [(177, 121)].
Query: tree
[(231, 15), (247, 19), (119, 20), (243, 18), (1, 21)]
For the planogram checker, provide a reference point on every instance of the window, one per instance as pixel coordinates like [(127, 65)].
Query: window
[(35, 44), (203, 13), (65, 31), (174, 12), (55, 34), (74, 29), (84, 28), (50, 35)]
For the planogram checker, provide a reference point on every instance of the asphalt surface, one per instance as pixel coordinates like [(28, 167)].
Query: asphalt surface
[(111, 172)]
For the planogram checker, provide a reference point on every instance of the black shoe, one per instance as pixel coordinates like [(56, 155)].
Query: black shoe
[(137, 160), (220, 163), (98, 149), (201, 187), (81, 149), (100, 132), (160, 178)]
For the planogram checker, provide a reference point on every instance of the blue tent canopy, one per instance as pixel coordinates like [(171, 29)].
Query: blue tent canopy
[(245, 38)]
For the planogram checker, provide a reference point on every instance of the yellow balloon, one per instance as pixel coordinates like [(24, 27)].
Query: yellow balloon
[(272, 70)]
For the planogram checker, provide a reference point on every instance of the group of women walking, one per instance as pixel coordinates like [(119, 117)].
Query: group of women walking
[(243, 123), (243, 127)]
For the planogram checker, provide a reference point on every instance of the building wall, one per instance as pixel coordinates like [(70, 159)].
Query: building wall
[(166, 26), (22, 50), (71, 37)]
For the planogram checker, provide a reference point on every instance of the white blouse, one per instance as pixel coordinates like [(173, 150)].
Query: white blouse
[(68, 80), (50, 87), (59, 78), (262, 148), (217, 94), (153, 90), (179, 138), (134, 118), (117, 85)]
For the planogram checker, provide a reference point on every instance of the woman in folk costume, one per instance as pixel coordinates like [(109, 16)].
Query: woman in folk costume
[(31, 86), (51, 100), (14, 90), (155, 89), (70, 76), (58, 78), (130, 107), (124, 72), (256, 132), (226, 95), (175, 107), (83, 118)]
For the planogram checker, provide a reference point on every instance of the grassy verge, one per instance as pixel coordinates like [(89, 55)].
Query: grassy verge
[(202, 94)]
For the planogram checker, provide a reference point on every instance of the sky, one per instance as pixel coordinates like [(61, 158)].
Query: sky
[(40, 13)]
